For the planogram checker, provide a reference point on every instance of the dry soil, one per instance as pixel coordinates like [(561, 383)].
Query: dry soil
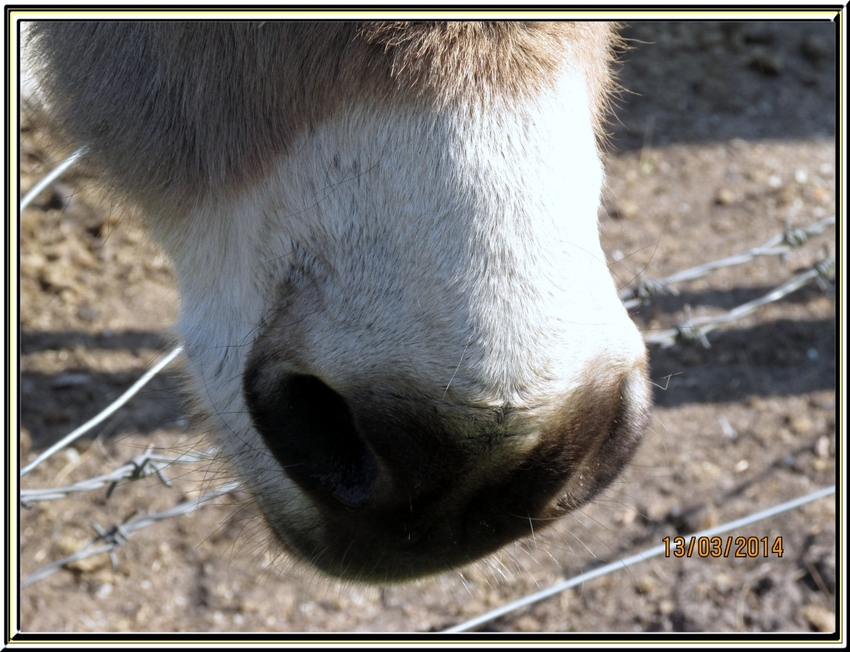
[(725, 132)]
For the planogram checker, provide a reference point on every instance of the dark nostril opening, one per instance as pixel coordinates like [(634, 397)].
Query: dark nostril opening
[(310, 430)]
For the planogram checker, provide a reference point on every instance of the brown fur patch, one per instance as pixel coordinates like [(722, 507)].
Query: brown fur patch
[(461, 62), (176, 111)]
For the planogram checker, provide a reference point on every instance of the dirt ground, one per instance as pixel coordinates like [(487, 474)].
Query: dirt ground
[(726, 132)]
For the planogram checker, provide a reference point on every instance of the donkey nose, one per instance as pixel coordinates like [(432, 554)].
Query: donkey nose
[(366, 450), (402, 484)]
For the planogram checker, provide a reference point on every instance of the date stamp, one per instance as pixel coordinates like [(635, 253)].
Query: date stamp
[(746, 547)]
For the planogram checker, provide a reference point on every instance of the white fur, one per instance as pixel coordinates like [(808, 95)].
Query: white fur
[(460, 249)]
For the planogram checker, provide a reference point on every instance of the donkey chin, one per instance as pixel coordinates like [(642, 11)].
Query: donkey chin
[(394, 303)]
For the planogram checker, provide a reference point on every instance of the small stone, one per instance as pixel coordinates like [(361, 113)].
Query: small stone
[(823, 195), (822, 447), (627, 517), (89, 564), (645, 585), (695, 519), (32, 264), (815, 49), (103, 591), (625, 210), (526, 624), (68, 295), (788, 195), (666, 607), (142, 615), (25, 440), (759, 36), (656, 510), (786, 435), (67, 545), (801, 425), (723, 582), (825, 402), (767, 64), (787, 461), (757, 403), (56, 276), (742, 466), (724, 197), (709, 519), (727, 428), (87, 313), (820, 618)]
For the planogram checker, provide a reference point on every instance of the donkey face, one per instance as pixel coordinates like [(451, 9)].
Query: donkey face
[(394, 303)]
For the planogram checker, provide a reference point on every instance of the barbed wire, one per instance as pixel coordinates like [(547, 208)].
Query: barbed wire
[(50, 177), (118, 534), (790, 238), (139, 466), (696, 328)]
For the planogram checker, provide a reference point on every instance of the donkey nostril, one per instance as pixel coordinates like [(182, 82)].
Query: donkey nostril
[(310, 430)]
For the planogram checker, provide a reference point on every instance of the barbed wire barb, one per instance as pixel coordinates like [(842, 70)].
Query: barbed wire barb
[(139, 466), (791, 238), (696, 328), (120, 534)]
